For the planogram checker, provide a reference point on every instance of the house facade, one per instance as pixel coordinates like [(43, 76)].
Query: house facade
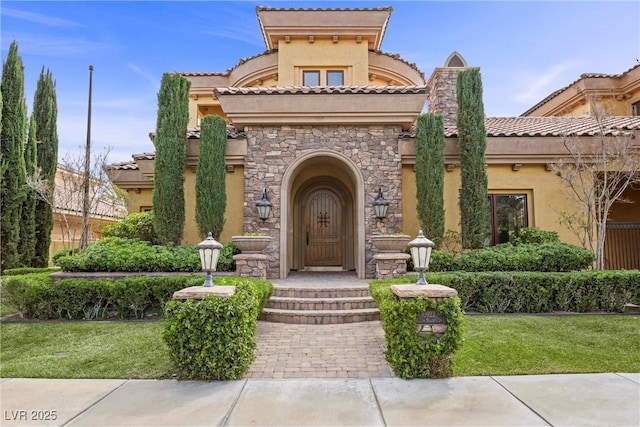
[(324, 121)]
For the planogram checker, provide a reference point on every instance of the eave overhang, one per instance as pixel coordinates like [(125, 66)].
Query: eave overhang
[(343, 105)]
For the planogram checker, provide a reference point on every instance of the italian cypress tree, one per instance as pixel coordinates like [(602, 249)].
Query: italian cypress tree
[(14, 122), (45, 112), (211, 195), (430, 145), (472, 144), (27, 244), (170, 160)]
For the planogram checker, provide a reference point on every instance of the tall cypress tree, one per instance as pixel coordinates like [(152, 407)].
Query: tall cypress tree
[(472, 144), (27, 245), (211, 194), (14, 122), (171, 157), (45, 112), (430, 144)]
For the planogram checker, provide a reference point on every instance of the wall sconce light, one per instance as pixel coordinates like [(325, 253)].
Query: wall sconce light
[(264, 206), (380, 205), (209, 250)]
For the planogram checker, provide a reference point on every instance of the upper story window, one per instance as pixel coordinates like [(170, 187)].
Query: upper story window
[(635, 108), (322, 77), (335, 78), (311, 78)]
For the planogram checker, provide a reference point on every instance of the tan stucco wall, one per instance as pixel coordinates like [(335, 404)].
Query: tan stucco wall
[(546, 197), (233, 213), (322, 55)]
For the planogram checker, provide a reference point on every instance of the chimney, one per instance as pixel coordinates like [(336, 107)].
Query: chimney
[(442, 88)]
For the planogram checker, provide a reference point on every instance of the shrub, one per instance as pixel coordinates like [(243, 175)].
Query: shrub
[(536, 292), (533, 235), (118, 254), (225, 261), (132, 255), (38, 296), (412, 355), (522, 257), (134, 226), (213, 339)]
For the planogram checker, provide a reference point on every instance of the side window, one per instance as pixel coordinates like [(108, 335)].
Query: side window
[(145, 208), (635, 108), (507, 212), (335, 78), (311, 78)]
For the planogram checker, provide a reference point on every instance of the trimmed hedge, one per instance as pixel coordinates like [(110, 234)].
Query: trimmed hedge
[(536, 292), (37, 296), (132, 255), (412, 355), (507, 257), (213, 338)]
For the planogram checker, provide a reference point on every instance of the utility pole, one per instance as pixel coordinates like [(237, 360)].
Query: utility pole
[(87, 174)]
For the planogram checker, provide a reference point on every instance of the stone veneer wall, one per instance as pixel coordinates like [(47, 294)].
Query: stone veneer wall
[(373, 149), (442, 93)]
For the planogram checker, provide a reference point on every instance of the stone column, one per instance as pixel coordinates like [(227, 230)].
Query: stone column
[(390, 265), (251, 265)]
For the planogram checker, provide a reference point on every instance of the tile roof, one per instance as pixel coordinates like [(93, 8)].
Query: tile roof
[(194, 133), (229, 70), (397, 56), (547, 126), (495, 127), (320, 9), (582, 76), (304, 90)]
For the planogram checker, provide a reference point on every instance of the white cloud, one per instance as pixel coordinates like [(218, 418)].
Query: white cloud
[(38, 18), (52, 46), (536, 86), (150, 77)]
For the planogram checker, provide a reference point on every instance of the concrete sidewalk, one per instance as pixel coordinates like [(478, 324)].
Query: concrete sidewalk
[(558, 400)]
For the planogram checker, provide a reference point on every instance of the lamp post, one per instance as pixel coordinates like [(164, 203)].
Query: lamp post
[(421, 248), (264, 206), (380, 205), (209, 250)]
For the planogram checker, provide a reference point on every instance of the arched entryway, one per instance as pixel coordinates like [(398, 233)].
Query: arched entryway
[(323, 220)]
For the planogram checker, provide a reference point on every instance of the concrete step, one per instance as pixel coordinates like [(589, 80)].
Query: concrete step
[(320, 291), (347, 303), (319, 317), (319, 304)]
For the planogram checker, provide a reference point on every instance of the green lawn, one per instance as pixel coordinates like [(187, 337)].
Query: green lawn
[(494, 345), (527, 344)]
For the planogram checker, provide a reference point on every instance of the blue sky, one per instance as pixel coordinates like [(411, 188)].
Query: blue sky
[(525, 51)]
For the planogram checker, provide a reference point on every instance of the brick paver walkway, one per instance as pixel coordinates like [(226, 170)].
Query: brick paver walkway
[(351, 350)]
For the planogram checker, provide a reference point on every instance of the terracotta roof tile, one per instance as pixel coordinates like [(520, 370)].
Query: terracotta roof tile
[(194, 133), (306, 90), (582, 76), (547, 126), (399, 58), (229, 70), (303, 9), (130, 165)]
